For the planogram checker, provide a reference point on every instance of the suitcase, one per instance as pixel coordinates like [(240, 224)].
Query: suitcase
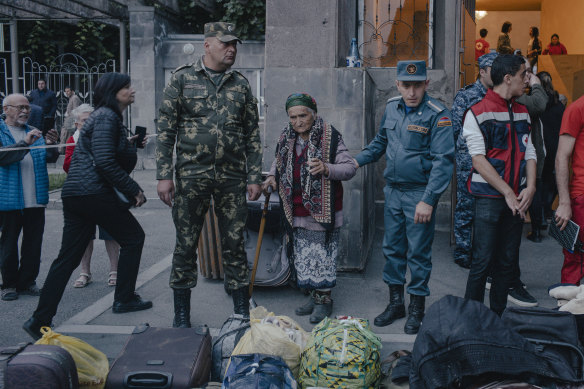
[(29, 366), (273, 218), (554, 334), (273, 267), (163, 358)]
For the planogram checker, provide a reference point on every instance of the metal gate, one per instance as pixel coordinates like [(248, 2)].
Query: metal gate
[(67, 70)]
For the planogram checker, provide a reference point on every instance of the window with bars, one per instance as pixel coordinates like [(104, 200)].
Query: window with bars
[(395, 30)]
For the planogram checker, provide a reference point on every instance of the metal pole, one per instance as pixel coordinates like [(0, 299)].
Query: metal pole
[(124, 64), (14, 55), (123, 57)]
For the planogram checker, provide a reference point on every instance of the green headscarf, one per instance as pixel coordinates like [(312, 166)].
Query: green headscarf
[(303, 99)]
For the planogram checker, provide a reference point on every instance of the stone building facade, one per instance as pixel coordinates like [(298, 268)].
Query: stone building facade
[(305, 48)]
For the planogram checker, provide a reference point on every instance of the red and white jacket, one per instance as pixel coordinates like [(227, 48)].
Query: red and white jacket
[(505, 127)]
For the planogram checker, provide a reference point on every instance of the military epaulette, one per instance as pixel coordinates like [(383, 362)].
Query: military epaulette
[(393, 98), (435, 106), (240, 74), (186, 65)]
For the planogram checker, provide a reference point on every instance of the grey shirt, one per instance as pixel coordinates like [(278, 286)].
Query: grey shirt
[(26, 171)]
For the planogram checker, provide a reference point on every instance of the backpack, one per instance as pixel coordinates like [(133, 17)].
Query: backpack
[(258, 371), (231, 332), (341, 353)]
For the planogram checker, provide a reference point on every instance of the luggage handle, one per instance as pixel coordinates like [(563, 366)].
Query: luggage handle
[(148, 379), (542, 342)]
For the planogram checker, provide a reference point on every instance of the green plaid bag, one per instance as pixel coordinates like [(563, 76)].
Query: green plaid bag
[(341, 353)]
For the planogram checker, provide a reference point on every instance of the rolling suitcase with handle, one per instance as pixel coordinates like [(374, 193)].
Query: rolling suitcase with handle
[(37, 366), (163, 358)]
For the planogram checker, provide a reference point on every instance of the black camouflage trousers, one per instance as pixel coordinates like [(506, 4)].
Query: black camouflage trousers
[(191, 202)]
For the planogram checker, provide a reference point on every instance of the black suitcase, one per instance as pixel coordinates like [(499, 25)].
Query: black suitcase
[(163, 358), (29, 366), (273, 218), (553, 332)]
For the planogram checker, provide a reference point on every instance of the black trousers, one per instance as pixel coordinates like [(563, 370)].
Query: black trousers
[(21, 273), (536, 209), (495, 250), (81, 214)]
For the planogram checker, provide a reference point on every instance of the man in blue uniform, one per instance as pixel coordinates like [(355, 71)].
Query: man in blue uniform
[(464, 212), (416, 137)]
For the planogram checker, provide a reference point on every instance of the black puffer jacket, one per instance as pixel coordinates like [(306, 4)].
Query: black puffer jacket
[(103, 158)]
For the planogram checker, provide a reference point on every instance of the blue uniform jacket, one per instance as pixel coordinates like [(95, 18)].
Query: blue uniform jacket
[(464, 99), (419, 147), (11, 194)]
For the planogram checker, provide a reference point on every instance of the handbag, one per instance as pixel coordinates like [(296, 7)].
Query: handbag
[(123, 201)]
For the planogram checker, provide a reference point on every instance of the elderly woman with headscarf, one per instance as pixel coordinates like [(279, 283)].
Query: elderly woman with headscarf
[(311, 161)]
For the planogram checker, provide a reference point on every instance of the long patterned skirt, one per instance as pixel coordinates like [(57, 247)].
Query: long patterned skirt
[(315, 258)]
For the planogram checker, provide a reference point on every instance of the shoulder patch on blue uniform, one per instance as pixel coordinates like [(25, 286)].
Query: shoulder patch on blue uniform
[(186, 65), (393, 98), (444, 121)]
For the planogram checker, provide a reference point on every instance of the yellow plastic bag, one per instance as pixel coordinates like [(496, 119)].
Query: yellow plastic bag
[(92, 364), (273, 335)]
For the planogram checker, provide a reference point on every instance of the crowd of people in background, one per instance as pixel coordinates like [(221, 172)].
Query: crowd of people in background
[(535, 46)]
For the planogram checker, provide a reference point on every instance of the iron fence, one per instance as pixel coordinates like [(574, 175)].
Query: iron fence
[(67, 70), (394, 30)]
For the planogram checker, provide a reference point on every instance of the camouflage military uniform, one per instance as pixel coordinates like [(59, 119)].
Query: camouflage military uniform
[(215, 130), (464, 211)]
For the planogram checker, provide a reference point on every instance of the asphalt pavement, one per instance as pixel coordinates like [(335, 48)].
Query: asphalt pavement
[(86, 313)]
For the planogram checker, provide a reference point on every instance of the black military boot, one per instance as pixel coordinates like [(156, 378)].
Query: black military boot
[(241, 301), (307, 308), (395, 309), (323, 306), (415, 314), (182, 308)]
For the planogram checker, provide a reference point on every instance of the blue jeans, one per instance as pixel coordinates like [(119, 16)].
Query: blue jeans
[(406, 243), (496, 241)]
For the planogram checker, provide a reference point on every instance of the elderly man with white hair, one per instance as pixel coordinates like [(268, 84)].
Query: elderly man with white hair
[(80, 115), (24, 194)]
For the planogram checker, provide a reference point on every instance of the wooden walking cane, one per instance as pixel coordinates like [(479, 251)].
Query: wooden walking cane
[(252, 302)]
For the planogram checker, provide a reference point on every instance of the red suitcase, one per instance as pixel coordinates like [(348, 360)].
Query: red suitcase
[(163, 358), (29, 366)]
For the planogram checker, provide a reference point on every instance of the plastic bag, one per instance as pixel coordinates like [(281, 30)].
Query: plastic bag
[(341, 353), (92, 364), (273, 335)]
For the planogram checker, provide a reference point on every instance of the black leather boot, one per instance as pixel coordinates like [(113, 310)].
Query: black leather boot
[(241, 301), (307, 308), (33, 327), (395, 309), (323, 306), (182, 308), (415, 314)]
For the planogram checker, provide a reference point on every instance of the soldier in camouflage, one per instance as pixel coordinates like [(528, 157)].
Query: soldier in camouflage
[(210, 114), (464, 211)]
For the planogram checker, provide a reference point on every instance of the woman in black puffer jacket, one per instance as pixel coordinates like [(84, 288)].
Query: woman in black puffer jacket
[(102, 161)]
